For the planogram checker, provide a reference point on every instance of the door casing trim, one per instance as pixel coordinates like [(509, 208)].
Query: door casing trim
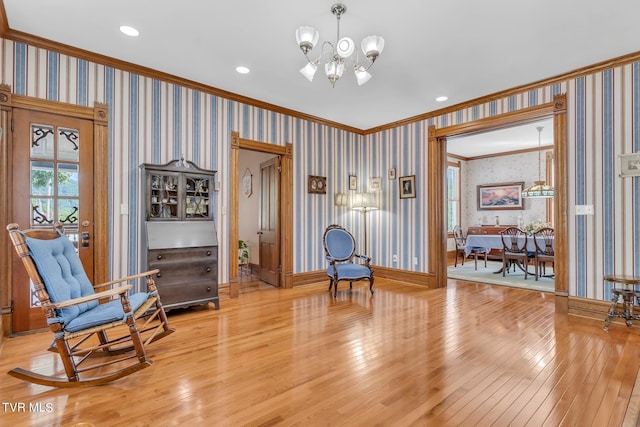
[(285, 204), (436, 198), (99, 115)]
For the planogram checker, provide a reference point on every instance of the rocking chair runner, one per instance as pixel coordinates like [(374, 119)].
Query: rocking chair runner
[(340, 251), (75, 312)]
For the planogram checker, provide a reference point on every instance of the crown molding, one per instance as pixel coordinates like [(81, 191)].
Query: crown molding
[(21, 37), (580, 72), (40, 42)]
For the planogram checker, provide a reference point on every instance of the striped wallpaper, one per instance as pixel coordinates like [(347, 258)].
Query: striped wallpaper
[(155, 121)]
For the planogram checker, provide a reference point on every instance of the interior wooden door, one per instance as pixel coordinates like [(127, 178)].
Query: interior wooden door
[(53, 182), (269, 234)]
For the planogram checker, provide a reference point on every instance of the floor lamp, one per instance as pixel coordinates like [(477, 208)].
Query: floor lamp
[(364, 202)]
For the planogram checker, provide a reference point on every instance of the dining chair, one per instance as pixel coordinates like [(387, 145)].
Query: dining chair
[(514, 252), (544, 242), (461, 244), (461, 248)]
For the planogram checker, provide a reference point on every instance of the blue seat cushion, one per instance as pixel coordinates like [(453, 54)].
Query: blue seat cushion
[(349, 271), (62, 273), (105, 313), (64, 278)]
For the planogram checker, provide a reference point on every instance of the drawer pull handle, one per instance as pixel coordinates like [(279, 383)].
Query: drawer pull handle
[(159, 256), (208, 289), (208, 269), (159, 274), (208, 253)]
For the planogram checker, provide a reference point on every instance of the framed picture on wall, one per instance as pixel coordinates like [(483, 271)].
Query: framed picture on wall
[(353, 182), (317, 184), (407, 187), (375, 184), (504, 196), (630, 165)]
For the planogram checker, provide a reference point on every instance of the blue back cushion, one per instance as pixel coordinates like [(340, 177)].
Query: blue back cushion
[(62, 272), (340, 244)]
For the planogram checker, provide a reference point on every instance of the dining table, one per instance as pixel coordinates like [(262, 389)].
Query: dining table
[(494, 241)]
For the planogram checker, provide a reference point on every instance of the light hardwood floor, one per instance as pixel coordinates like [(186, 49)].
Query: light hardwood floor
[(468, 354)]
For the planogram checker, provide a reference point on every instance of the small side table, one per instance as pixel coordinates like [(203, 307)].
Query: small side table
[(628, 292)]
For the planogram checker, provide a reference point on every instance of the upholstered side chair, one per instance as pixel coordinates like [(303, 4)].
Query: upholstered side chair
[(344, 263)]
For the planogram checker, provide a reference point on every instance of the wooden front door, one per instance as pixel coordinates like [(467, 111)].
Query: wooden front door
[(269, 234), (53, 182)]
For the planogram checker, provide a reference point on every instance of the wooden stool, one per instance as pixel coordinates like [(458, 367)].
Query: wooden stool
[(628, 292)]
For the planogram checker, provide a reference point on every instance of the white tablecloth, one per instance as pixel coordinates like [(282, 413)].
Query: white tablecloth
[(494, 241)]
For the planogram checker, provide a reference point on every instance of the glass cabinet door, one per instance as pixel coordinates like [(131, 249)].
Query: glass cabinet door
[(197, 201), (163, 195)]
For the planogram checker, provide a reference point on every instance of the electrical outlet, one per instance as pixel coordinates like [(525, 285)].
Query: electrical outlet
[(394, 258), (124, 209), (415, 260)]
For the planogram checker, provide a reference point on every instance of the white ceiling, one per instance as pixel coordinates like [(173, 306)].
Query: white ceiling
[(463, 49), (514, 138)]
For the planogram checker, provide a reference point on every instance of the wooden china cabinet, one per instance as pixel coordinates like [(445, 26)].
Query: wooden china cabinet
[(179, 232)]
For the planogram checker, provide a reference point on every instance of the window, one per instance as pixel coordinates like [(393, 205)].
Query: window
[(453, 195)]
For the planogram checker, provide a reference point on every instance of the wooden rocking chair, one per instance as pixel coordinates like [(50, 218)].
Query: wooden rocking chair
[(80, 318)]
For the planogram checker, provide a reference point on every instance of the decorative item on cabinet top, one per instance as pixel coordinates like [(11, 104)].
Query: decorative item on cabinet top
[(178, 191)]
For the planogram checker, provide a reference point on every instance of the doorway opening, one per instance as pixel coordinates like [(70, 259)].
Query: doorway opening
[(274, 244), (258, 225), (510, 157), (437, 198)]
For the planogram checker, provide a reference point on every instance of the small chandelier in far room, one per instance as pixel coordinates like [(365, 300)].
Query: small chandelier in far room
[(339, 52), (539, 189)]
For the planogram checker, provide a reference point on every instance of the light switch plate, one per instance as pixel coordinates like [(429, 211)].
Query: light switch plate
[(584, 209)]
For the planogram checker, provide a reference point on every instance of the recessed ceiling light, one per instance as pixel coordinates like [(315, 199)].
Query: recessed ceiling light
[(242, 70), (130, 31), (442, 98)]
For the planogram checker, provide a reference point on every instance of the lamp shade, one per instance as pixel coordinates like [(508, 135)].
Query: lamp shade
[(309, 70), (342, 199), (362, 76), (307, 38), (372, 47), (538, 190), (333, 70), (364, 202)]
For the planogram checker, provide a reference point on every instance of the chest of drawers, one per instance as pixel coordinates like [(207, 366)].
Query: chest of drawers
[(187, 276), (186, 253)]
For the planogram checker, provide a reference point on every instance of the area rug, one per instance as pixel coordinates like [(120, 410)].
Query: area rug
[(488, 275)]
